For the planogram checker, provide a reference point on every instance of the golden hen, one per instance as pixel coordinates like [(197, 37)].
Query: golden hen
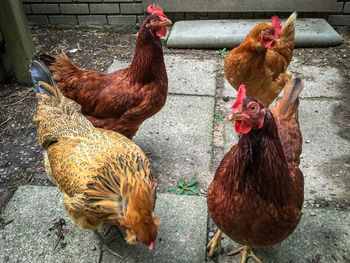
[(257, 193), (122, 100), (261, 60), (103, 176)]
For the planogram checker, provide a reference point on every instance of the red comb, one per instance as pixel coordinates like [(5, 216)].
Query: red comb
[(156, 10), (241, 95), (276, 25)]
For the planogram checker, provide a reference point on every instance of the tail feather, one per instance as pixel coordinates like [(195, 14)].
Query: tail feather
[(288, 29), (47, 60), (42, 80), (288, 104), (57, 116)]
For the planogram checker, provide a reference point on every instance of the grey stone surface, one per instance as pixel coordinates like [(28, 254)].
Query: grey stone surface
[(45, 9), (37, 19), (321, 236), (119, 1), (325, 153), (181, 237), (347, 8), (27, 8), (74, 8), (104, 8), (181, 77), (310, 32), (246, 6), (64, 1), (32, 1), (180, 139), (141, 18), (340, 6), (339, 20), (89, 1), (92, 20), (122, 20), (63, 20), (133, 8), (34, 208)]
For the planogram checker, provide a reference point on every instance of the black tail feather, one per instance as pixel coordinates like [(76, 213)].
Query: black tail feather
[(47, 60), (40, 73)]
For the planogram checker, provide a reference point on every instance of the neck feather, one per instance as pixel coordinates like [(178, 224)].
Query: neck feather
[(148, 62), (261, 164)]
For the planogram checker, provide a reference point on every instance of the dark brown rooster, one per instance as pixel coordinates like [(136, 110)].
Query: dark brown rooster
[(122, 100), (257, 193)]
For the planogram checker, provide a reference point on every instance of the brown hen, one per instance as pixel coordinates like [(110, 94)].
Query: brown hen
[(257, 193), (261, 60), (103, 176), (122, 100)]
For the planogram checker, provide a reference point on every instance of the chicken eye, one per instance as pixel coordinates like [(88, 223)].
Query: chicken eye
[(154, 20), (253, 108)]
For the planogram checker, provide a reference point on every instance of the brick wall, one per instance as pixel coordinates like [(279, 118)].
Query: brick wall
[(343, 17), (125, 14), (129, 14)]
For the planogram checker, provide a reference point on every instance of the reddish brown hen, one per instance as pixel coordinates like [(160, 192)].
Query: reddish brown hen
[(122, 100), (257, 193), (261, 60)]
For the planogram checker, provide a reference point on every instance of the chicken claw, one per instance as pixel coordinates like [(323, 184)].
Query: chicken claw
[(214, 243), (105, 245), (247, 252)]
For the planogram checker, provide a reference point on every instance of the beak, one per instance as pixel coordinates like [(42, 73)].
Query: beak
[(236, 116), (167, 23)]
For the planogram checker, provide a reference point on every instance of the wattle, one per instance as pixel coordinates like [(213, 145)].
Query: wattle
[(161, 32), (243, 127)]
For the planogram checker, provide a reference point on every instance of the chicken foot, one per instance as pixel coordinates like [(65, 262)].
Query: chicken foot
[(247, 252), (214, 243), (106, 245)]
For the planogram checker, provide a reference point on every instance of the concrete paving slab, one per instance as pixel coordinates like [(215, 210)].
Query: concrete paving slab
[(310, 32), (318, 81), (325, 157), (321, 236), (186, 75), (180, 139), (178, 240), (33, 210), (191, 75), (181, 237)]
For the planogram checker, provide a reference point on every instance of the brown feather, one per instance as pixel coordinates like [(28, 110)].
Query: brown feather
[(122, 100), (256, 195), (262, 70)]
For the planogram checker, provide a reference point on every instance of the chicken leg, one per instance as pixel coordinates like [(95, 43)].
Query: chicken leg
[(247, 252), (214, 243), (106, 245)]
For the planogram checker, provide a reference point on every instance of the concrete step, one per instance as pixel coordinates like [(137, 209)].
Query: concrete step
[(33, 209), (322, 236), (310, 32)]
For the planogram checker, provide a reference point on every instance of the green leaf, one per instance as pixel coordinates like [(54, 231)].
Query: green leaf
[(195, 190), (219, 117), (220, 74), (192, 182), (180, 191), (172, 189), (181, 183), (222, 52)]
